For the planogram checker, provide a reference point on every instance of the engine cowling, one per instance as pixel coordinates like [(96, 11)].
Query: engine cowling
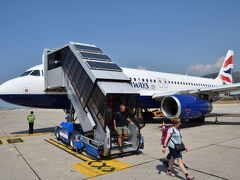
[(185, 107)]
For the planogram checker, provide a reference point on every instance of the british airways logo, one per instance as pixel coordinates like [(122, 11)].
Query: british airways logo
[(140, 85), (229, 71), (226, 74)]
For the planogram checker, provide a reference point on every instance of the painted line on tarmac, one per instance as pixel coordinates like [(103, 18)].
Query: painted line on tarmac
[(92, 167), (80, 156), (206, 173), (22, 135), (99, 167), (15, 140)]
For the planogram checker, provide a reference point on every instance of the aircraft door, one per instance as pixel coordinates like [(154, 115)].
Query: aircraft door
[(165, 83), (160, 82)]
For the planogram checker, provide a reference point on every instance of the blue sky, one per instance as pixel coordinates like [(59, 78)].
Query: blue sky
[(169, 36)]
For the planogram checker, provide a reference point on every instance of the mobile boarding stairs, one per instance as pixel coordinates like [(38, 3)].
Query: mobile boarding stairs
[(90, 79)]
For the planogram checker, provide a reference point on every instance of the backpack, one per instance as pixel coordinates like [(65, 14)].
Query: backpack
[(164, 135)]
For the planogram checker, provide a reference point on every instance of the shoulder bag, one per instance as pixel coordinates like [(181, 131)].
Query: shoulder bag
[(179, 147)]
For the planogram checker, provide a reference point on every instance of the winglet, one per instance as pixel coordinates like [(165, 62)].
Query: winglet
[(226, 71)]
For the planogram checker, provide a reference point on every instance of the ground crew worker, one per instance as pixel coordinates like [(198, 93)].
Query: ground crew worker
[(31, 119), (121, 120)]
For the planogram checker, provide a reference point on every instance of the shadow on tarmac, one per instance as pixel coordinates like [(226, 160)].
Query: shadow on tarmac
[(39, 130), (163, 169), (222, 114), (187, 124), (222, 123)]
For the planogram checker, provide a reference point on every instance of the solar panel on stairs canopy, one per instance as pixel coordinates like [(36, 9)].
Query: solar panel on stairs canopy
[(87, 48), (103, 66), (100, 57)]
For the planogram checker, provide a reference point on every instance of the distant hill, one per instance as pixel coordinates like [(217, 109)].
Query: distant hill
[(236, 76)]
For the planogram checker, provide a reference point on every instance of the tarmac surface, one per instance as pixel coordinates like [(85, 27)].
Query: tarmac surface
[(214, 149)]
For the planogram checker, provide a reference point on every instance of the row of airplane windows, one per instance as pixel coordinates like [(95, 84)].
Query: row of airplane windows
[(172, 82)]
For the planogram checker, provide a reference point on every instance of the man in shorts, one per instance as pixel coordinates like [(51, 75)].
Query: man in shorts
[(121, 120)]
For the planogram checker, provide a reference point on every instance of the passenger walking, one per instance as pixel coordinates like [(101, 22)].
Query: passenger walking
[(175, 143), (121, 120), (31, 119)]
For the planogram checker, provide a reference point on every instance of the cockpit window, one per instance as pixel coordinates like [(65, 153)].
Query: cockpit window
[(35, 73), (26, 73)]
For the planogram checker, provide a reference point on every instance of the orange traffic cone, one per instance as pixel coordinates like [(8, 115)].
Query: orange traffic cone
[(163, 125)]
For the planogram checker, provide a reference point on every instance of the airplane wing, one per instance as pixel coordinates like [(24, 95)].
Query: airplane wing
[(222, 89), (208, 90)]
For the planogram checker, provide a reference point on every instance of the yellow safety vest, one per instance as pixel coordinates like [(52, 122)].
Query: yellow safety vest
[(31, 118)]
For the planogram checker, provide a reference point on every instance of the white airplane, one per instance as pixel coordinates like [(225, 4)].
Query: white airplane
[(183, 96)]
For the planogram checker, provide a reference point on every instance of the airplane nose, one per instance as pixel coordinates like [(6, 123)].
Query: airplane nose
[(4, 88), (1, 90)]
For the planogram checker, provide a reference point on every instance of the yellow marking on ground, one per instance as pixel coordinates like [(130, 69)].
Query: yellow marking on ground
[(92, 168), (22, 135), (13, 141), (96, 168), (84, 158)]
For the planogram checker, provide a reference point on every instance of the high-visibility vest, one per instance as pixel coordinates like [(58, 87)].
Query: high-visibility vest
[(31, 118)]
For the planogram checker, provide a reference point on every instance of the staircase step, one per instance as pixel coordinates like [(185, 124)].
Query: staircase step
[(125, 144), (125, 150)]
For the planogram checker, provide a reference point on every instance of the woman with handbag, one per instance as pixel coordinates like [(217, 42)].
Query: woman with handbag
[(176, 145)]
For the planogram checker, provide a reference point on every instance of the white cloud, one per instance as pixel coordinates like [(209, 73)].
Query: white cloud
[(142, 68), (202, 69)]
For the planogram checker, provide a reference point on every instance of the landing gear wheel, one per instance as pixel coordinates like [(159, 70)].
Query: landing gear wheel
[(72, 142), (148, 116), (193, 120), (201, 119), (79, 151), (57, 133)]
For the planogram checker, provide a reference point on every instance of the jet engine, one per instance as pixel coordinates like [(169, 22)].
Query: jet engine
[(185, 107)]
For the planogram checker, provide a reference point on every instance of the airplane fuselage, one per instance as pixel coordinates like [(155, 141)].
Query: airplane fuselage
[(28, 90)]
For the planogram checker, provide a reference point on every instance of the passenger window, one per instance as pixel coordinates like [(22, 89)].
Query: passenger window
[(154, 81), (134, 79), (142, 80), (35, 73), (150, 80), (147, 80)]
